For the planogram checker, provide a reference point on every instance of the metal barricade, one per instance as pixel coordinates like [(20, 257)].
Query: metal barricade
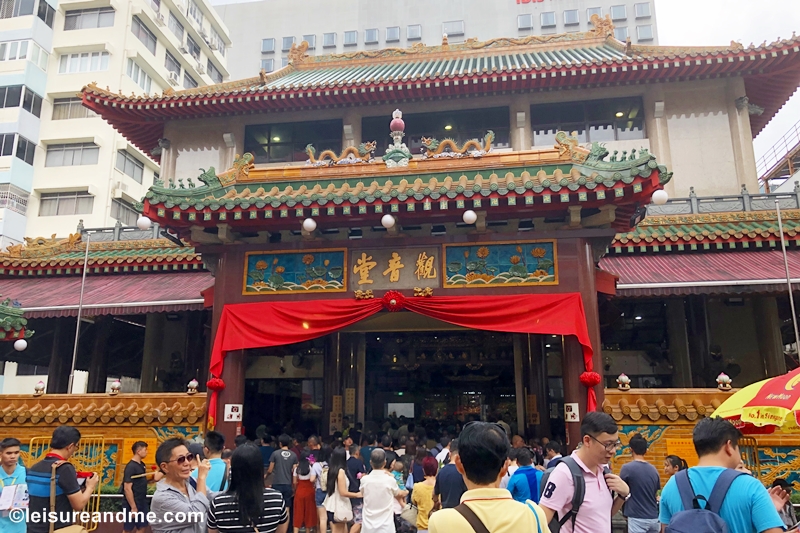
[(748, 447)]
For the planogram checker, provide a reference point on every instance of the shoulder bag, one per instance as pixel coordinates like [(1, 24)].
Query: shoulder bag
[(76, 528)]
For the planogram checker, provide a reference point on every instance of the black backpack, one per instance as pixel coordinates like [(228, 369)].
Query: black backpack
[(546, 489), (696, 519)]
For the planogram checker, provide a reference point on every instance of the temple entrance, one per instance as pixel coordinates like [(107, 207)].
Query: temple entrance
[(447, 376)]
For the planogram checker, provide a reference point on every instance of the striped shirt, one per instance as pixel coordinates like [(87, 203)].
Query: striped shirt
[(224, 513)]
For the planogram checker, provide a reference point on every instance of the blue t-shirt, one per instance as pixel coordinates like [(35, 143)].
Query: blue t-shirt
[(519, 484), (214, 477), (747, 507), (17, 478)]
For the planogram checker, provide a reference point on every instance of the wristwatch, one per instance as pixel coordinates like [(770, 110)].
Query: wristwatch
[(625, 498)]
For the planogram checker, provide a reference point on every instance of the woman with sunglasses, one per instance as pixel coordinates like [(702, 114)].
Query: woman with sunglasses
[(174, 494)]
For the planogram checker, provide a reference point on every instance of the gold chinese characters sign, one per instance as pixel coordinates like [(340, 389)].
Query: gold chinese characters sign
[(401, 268)]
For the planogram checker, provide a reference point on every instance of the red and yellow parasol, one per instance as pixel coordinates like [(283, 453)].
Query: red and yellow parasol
[(767, 405)]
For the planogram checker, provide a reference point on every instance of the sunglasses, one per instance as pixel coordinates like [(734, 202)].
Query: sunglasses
[(182, 459)]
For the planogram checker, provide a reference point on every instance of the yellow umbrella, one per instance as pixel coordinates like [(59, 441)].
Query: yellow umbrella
[(772, 402)]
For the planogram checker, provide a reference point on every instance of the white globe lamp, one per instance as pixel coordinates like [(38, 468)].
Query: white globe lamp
[(387, 221), (660, 197), (143, 223), (309, 225), (470, 216), (20, 345)]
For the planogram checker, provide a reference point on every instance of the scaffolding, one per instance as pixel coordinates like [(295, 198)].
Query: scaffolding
[(782, 160)]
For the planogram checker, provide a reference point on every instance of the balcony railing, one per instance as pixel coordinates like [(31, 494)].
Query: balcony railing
[(695, 205)]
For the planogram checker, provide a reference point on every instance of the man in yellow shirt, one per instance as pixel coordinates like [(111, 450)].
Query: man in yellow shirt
[(483, 461)]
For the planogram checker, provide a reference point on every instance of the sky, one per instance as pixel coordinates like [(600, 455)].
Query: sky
[(718, 22)]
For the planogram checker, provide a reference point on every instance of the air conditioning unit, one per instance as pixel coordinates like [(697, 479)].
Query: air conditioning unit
[(173, 78), (119, 189), (213, 46), (201, 69), (203, 34), (160, 19), (183, 49)]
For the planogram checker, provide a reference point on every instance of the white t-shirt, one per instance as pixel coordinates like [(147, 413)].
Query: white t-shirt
[(507, 477), (442, 456), (379, 489)]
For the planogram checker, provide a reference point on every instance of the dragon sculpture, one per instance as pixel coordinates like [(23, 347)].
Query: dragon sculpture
[(351, 154), (473, 147)]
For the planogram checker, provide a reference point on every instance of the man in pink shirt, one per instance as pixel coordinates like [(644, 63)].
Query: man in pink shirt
[(599, 444)]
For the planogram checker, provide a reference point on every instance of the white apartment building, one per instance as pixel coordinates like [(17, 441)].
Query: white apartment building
[(340, 27), (82, 169)]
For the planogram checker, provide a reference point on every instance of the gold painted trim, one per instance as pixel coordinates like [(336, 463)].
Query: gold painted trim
[(461, 245), (247, 255)]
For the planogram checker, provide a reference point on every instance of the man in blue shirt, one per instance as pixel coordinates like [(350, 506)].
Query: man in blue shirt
[(11, 474), (524, 483), (217, 479), (748, 507)]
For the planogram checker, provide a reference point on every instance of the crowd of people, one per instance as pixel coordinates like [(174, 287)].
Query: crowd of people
[(477, 480)]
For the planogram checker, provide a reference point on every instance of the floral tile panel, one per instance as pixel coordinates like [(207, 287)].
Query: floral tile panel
[(500, 265), (295, 272)]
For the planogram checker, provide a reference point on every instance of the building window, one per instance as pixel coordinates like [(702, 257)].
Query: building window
[(525, 22), (7, 146), (193, 48), (621, 34), (619, 119), (284, 62), (328, 40), (70, 155), (460, 125), (32, 102), (13, 50), (83, 62), (619, 12), (642, 10), (195, 12), (393, 34), (350, 38), (282, 143), (214, 72), (155, 5), (25, 149), (453, 28), (287, 43), (65, 203), (571, 17), (139, 76), (594, 11), (16, 8), (216, 39), (311, 40), (124, 212), (414, 32), (548, 19), (188, 81), (38, 56), (12, 197), (172, 64), (371, 36), (143, 34), (175, 27), (10, 96), (64, 108), (85, 19), (644, 33), (46, 13), (267, 45), (129, 165), (267, 65)]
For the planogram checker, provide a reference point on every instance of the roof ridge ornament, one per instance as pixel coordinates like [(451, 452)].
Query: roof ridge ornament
[(603, 26), (398, 154), (297, 53)]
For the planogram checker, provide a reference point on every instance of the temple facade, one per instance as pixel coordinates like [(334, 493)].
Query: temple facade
[(456, 231)]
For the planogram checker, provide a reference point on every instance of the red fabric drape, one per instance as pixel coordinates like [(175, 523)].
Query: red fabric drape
[(264, 324)]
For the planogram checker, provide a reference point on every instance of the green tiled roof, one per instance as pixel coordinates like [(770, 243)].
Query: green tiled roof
[(717, 231)]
